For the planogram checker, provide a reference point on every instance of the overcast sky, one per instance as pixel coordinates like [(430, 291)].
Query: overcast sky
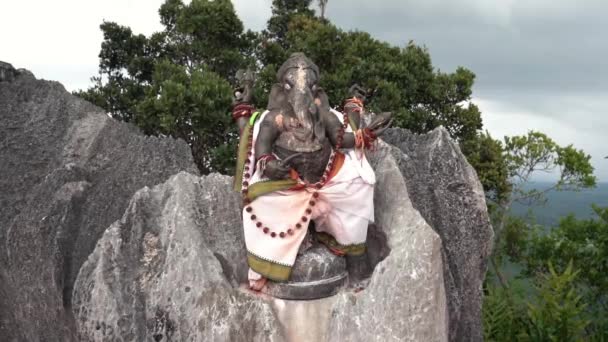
[(540, 65)]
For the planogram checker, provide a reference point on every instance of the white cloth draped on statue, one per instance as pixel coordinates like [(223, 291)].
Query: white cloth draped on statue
[(343, 209)]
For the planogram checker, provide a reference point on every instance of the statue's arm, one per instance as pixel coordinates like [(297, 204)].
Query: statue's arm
[(333, 127), (241, 123), (242, 108), (269, 131), (266, 137)]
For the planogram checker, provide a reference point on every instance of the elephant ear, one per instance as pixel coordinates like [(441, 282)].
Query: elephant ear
[(323, 100), (323, 109), (277, 99)]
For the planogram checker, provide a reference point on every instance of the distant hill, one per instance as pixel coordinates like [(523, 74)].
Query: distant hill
[(562, 203)]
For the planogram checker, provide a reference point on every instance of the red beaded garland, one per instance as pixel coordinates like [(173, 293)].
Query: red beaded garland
[(318, 185)]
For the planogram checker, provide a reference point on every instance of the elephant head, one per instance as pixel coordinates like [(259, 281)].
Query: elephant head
[(297, 94)]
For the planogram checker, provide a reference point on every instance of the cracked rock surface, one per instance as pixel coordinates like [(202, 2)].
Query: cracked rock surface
[(67, 171), (110, 235)]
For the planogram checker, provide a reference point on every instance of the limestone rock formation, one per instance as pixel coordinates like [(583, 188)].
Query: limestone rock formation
[(155, 273), (445, 189), (67, 171), (104, 239), (7, 72), (159, 259), (406, 299)]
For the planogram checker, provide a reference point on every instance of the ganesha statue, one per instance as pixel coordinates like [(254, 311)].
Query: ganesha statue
[(301, 166)]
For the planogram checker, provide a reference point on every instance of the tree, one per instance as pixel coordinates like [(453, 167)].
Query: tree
[(524, 156), (205, 39), (177, 82), (487, 157), (537, 153), (322, 6), (283, 11), (404, 79), (191, 105), (558, 314), (584, 244), (550, 311)]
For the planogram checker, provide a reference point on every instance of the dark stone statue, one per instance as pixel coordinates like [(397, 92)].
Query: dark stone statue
[(301, 142), (300, 123)]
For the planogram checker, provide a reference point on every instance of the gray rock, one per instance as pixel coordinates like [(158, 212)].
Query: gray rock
[(154, 276), (7, 72), (166, 263), (67, 171), (405, 299), (445, 189)]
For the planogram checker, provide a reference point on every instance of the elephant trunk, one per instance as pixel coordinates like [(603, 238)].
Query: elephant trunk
[(302, 101)]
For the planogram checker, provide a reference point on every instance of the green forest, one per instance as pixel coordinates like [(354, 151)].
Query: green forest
[(543, 283)]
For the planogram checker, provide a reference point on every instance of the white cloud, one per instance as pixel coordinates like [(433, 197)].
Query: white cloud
[(579, 128), (60, 40), (254, 14), (517, 47)]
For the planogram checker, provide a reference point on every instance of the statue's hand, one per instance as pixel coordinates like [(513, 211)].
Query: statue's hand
[(381, 123), (275, 169), (244, 90), (357, 91)]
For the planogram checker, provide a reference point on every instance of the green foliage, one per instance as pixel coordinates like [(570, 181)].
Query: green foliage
[(536, 152), (551, 311), (283, 11), (486, 156), (176, 82), (191, 105), (522, 157), (583, 241), (519, 158), (204, 44), (585, 244), (559, 313), (404, 78), (515, 238), (566, 305), (502, 313)]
